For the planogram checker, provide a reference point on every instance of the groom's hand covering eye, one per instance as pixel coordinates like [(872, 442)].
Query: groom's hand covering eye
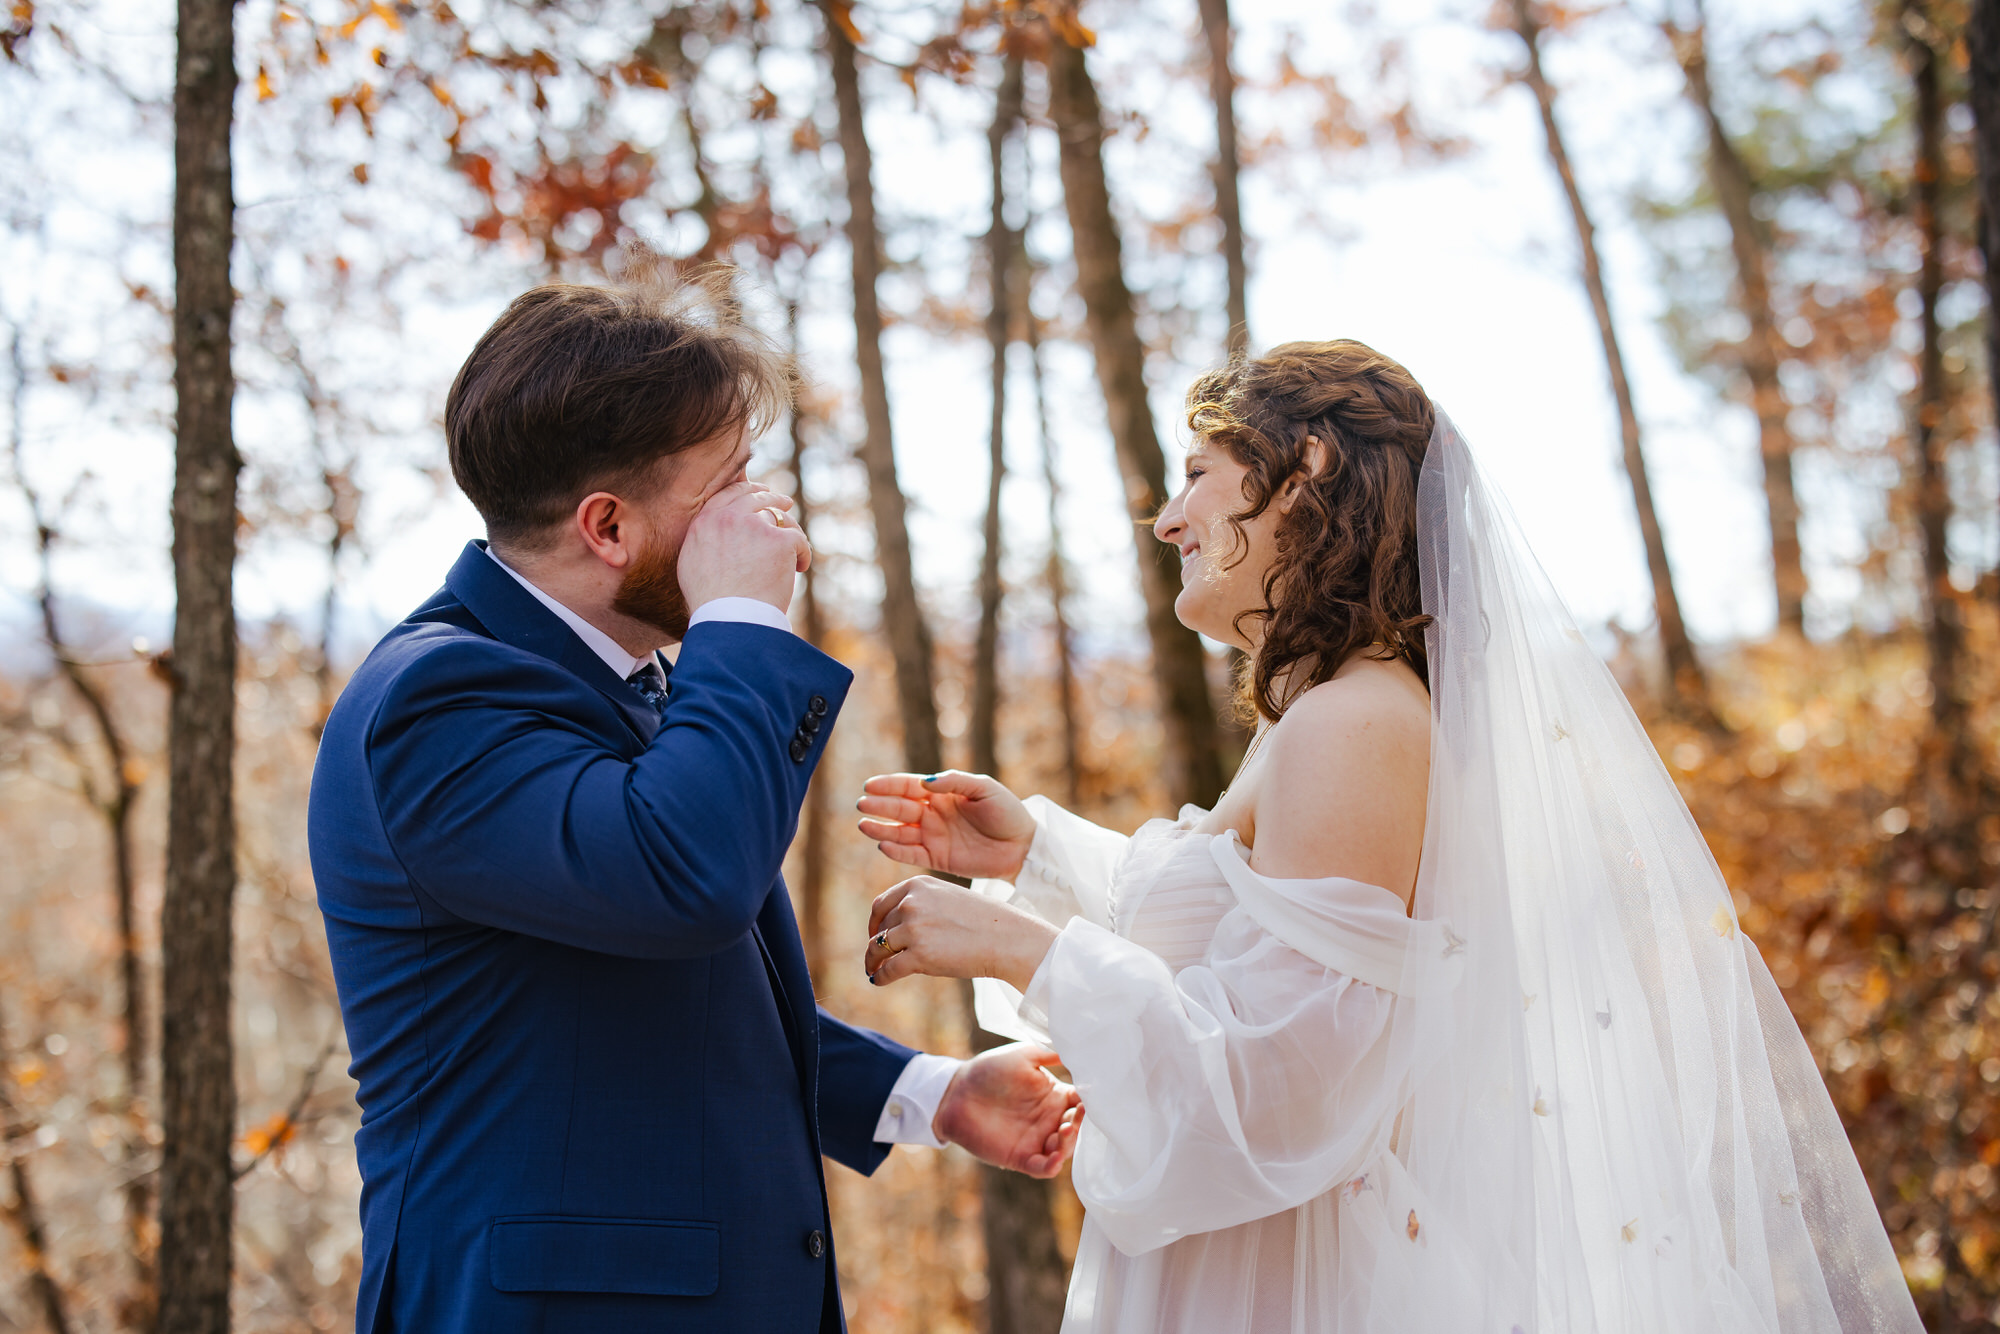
[(743, 543), (1005, 1108)]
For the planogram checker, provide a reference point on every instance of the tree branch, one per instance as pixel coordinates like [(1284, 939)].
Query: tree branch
[(24, 1214), (279, 1131)]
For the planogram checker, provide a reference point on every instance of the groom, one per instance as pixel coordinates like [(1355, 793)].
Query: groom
[(595, 1087)]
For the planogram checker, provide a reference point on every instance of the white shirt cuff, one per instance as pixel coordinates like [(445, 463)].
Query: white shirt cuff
[(913, 1102), (747, 610)]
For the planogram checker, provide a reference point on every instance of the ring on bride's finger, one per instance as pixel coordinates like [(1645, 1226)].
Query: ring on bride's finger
[(882, 940)]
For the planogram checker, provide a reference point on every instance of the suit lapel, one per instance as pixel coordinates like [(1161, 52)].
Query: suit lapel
[(508, 611)]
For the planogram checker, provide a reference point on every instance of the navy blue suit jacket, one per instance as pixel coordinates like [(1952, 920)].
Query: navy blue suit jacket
[(594, 1085)]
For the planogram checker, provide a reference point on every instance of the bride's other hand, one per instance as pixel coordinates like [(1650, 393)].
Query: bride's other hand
[(932, 927), (960, 823)]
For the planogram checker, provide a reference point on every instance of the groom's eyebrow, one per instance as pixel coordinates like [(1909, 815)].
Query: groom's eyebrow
[(734, 464), (738, 461)]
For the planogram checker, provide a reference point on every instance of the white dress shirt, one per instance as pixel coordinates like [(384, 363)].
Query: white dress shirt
[(913, 1102)]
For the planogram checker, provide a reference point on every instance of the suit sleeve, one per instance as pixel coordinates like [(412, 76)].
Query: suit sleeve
[(508, 808), (857, 1069)]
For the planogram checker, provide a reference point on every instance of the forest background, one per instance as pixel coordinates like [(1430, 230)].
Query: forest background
[(1708, 293)]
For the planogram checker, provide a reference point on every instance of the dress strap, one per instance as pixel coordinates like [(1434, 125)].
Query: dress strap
[(1352, 927)]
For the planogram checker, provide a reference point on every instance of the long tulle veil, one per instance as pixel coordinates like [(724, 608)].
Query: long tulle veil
[(1613, 1122)]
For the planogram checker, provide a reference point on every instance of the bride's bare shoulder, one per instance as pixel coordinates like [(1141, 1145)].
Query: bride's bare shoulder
[(1369, 703), (1347, 775)]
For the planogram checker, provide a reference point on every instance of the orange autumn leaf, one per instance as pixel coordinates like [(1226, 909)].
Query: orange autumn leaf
[(842, 12), (373, 11), (1068, 27), (273, 1134), (1875, 988)]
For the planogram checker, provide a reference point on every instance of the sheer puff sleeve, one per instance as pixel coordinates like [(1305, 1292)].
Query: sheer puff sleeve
[(1065, 878), (1244, 1085)]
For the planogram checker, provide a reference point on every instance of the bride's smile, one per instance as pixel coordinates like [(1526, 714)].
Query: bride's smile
[(1225, 553)]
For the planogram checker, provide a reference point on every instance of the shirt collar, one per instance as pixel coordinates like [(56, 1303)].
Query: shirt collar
[(603, 645)]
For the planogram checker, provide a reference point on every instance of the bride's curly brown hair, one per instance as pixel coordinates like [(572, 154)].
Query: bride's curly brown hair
[(1344, 580)]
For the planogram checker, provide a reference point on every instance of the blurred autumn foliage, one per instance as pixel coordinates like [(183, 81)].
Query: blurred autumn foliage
[(1814, 805), (1815, 256)]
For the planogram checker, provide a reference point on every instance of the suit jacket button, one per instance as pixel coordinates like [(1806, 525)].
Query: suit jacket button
[(799, 749), (817, 706), (810, 724), (815, 1243)]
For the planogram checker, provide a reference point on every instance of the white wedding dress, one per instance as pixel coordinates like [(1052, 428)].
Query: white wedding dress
[(1238, 1095), (1562, 1095)]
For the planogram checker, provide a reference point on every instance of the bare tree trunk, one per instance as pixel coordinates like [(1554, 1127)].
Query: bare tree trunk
[(1026, 1276), (1001, 249), (197, 1086), (1982, 40), (113, 798), (1057, 571), (1228, 201), (329, 609), (1689, 687), (343, 511), (1019, 1223), (819, 805), (1193, 749), (1957, 776), (24, 1212), (1027, 1279), (902, 615), (1762, 351), (343, 501), (1227, 172)]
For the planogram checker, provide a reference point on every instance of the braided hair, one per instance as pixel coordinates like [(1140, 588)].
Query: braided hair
[(1344, 579)]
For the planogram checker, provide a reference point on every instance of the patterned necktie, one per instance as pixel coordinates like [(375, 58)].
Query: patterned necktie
[(650, 687)]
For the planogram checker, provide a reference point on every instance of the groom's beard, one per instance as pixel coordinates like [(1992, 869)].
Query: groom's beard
[(651, 593)]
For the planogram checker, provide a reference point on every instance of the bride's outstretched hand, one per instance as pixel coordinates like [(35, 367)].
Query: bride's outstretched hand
[(959, 823)]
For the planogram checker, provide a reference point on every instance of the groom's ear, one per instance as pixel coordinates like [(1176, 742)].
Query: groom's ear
[(600, 522)]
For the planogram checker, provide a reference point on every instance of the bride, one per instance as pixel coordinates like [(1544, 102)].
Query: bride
[(1440, 1020)]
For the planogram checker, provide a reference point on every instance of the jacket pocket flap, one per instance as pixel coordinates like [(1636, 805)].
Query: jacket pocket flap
[(630, 1255)]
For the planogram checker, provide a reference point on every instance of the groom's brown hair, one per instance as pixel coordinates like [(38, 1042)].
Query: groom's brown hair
[(578, 389)]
